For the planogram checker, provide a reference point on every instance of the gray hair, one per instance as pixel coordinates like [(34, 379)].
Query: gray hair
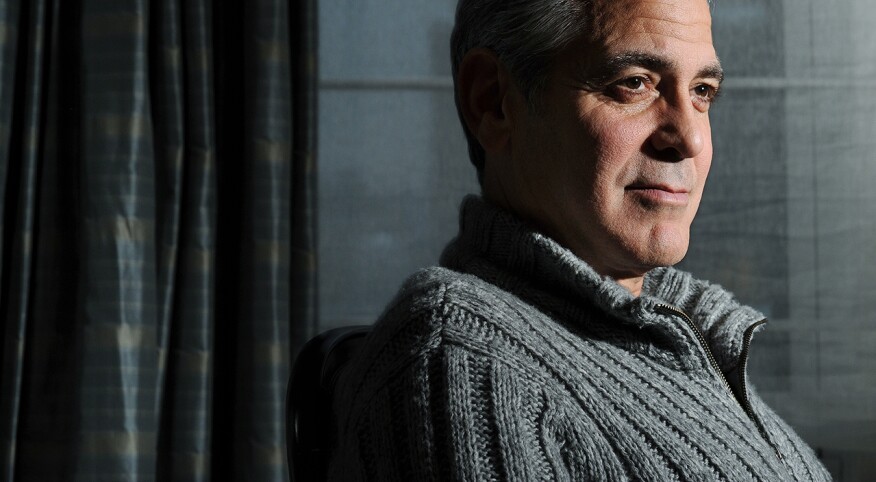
[(524, 34)]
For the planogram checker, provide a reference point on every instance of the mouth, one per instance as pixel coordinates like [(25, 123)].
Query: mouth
[(660, 194)]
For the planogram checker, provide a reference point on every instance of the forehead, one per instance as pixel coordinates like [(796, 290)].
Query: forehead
[(679, 27)]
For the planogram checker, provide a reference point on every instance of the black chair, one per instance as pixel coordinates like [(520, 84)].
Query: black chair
[(309, 416)]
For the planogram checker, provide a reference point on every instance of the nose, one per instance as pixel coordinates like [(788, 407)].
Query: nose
[(681, 131)]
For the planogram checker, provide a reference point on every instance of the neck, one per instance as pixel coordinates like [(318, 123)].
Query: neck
[(494, 192), (633, 285)]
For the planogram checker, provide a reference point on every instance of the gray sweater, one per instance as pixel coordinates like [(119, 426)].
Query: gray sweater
[(516, 361)]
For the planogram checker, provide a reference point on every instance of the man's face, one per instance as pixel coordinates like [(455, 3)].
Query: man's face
[(613, 161)]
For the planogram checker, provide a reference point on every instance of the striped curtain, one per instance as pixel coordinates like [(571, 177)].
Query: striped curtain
[(157, 256)]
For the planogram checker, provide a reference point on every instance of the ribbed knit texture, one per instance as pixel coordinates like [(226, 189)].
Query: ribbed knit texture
[(516, 361)]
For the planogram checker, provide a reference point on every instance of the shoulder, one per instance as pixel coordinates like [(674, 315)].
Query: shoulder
[(435, 301), (437, 312), (438, 309)]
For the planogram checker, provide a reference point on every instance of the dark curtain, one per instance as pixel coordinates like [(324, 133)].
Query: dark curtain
[(156, 194)]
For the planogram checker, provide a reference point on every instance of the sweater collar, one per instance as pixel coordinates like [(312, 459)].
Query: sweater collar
[(510, 245)]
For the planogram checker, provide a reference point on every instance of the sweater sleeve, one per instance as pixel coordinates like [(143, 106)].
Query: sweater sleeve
[(456, 414)]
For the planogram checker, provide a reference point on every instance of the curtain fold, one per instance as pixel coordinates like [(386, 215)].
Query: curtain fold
[(304, 109), (158, 269)]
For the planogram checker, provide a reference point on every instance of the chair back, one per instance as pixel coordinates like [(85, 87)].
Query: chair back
[(310, 417)]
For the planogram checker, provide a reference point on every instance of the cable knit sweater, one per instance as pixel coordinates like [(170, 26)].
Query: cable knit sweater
[(516, 361)]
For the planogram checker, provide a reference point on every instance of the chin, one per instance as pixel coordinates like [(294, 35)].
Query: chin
[(665, 248)]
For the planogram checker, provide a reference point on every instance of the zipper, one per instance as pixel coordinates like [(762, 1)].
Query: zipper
[(745, 402), (671, 310), (743, 364)]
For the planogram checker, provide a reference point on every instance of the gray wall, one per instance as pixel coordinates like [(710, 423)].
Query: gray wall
[(789, 217), (392, 159)]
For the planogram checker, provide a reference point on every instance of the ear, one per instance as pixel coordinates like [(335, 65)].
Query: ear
[(483, 85)]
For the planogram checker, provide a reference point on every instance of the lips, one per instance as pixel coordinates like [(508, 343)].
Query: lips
[(660, 194)]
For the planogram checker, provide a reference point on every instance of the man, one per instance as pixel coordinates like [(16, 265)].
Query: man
[(555, 342)]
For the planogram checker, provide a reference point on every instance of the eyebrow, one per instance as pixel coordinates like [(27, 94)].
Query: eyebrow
[(614, 65)]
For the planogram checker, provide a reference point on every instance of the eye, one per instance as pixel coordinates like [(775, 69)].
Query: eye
[(706, 92), (633, 89), (633, 83), (703, 96)]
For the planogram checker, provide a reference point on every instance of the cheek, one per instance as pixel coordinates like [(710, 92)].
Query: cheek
[(703, 162), (623, 130), (619, 147)]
